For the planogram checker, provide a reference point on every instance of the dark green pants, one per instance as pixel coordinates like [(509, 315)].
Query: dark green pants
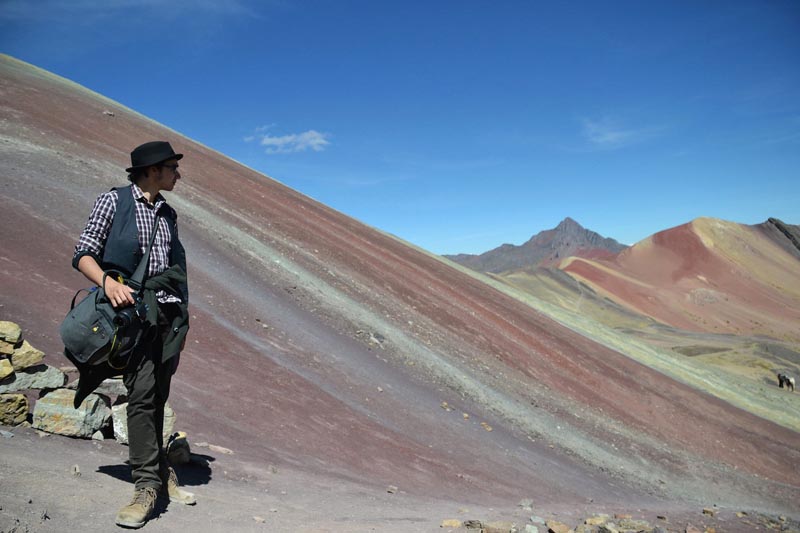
[(148, 380)]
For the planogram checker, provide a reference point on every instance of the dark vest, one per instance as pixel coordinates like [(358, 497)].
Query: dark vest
[(122, 251)]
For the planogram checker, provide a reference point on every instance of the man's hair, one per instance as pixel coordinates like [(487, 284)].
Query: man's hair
[(136, 174)]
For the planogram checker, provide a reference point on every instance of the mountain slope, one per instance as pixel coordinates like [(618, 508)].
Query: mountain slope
[(327, 348), (546, 248), (708, 275)]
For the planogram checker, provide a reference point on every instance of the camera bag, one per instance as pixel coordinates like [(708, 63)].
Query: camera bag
[(94, 332)]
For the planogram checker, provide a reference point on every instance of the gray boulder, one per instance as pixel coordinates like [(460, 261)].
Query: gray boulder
[(35, 377), (54, 413), (119, 416), (111, 387)]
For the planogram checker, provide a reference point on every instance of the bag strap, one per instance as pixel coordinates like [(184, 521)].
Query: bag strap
[(72, 303), (138, 276)]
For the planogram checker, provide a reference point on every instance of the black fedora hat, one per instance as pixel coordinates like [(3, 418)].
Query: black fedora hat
[(151, 153)]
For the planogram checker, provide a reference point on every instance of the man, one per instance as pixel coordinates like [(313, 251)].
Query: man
[(115, 239)]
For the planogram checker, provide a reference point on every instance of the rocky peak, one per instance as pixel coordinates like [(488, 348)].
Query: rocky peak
[(546, 247), (569, 225)]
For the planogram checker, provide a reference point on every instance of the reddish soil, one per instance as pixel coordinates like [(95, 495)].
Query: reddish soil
[(675, 278), (326, 348)]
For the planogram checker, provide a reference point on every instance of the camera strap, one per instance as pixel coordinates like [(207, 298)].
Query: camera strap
[(137, 279)]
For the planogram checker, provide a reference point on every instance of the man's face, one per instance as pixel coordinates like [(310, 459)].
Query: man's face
[(168, 174)]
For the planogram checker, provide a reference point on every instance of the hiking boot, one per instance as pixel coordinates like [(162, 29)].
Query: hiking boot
[(135, 514), (173, 489)]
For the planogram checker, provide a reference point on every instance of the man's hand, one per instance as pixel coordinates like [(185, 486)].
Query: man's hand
[(118, 294)]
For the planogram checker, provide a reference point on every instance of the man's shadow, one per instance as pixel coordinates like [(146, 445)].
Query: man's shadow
[(194, 473)]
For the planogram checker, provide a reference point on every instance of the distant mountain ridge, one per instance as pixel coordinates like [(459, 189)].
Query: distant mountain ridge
[(546, 248), (786, 235)]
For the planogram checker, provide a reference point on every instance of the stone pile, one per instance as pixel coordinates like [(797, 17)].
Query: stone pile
[(625, 523), (21, 370), (102, 414)]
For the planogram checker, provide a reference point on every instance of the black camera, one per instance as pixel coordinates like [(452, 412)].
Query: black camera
[(127, 315)]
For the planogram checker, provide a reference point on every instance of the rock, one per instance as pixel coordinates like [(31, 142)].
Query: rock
[(35, 377), (473, 524), (741, 514), (531, 529), (259, 519), (537, 520), (708, 511), (691, 529), (659, 529), (392, 489), (10, 332), (111, 387), (597, 520), (6, 434), (608, 528), (499, 527), (635, 525), (6, 348), (119, 419), (451, 523), (622, 516), (13, 409), (220, 449), (98, 435), (556, 527), (54, 413), (527, 505), (5, 369), (26, 356)]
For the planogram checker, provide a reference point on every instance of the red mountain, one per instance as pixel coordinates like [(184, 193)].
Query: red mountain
[(708, 275)]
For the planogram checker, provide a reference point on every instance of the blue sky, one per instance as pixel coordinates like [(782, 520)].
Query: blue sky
[(462, 125)]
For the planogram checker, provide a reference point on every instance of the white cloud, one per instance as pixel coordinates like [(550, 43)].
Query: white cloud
[(610, 134), (294, 142)]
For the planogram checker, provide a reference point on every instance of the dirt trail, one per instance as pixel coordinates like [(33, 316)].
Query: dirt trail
[(41, 493)]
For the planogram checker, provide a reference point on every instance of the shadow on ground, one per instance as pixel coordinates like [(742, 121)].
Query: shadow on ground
[(194, 473)]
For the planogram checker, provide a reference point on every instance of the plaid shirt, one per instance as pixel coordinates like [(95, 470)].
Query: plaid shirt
[(93, 238)]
